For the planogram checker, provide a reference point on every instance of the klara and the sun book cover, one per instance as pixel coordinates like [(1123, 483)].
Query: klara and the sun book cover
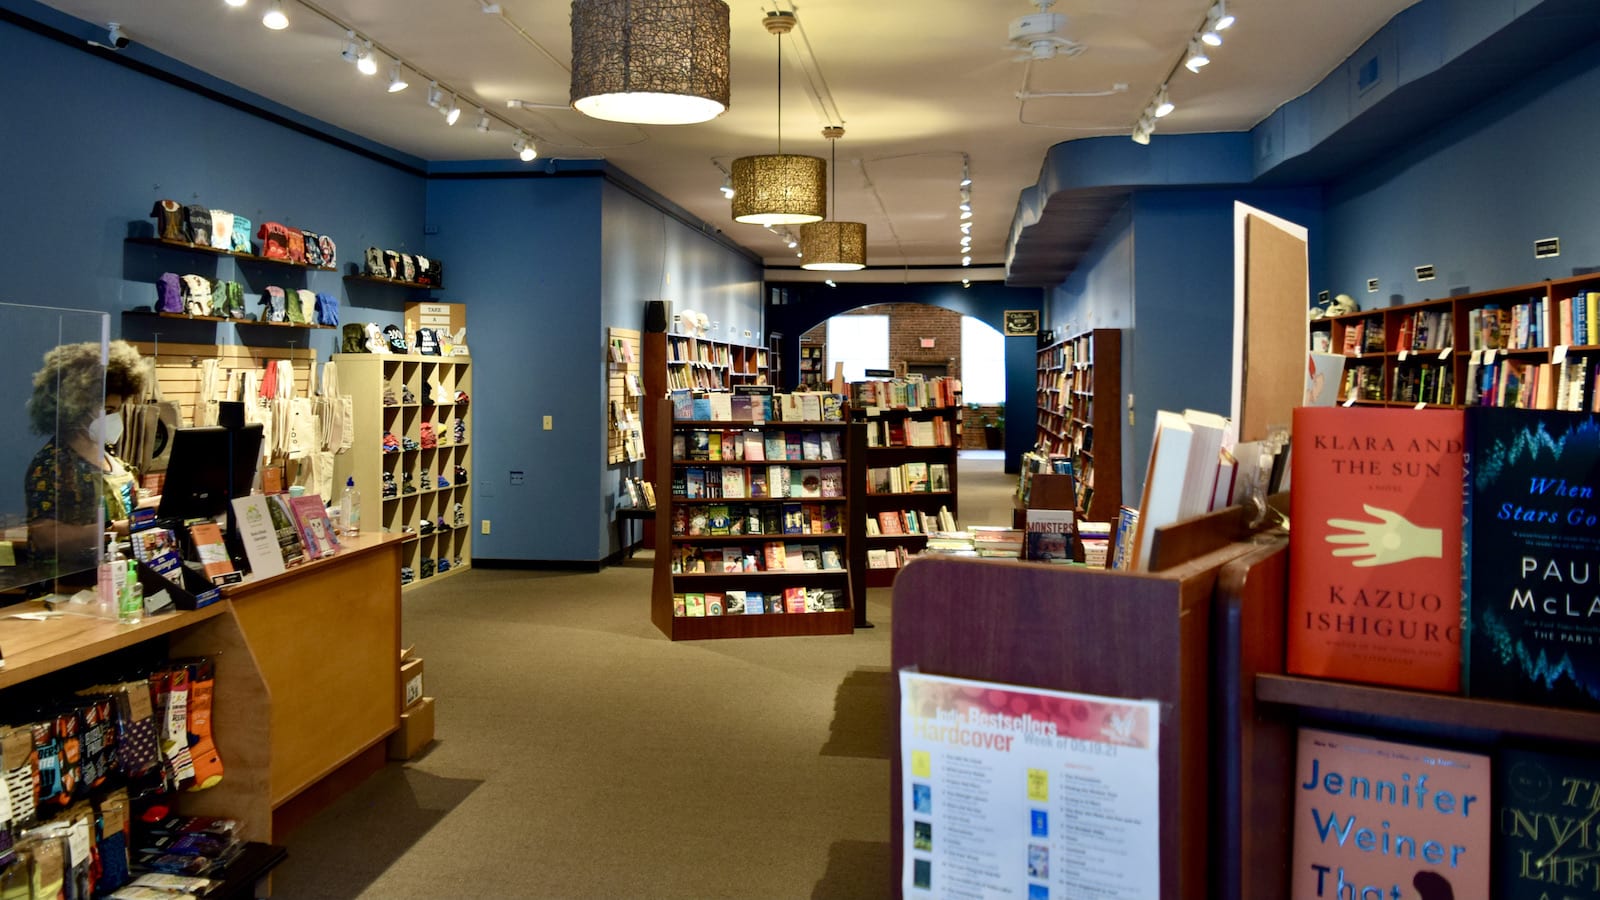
[(1374, 565), (1380, 820), (1547, 812), (1532, 556)]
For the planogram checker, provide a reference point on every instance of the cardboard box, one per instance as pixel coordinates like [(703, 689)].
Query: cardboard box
[(415, 732), (410, 682)]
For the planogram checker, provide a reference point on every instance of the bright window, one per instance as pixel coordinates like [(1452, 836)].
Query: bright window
[(983, 363), (860, 342)]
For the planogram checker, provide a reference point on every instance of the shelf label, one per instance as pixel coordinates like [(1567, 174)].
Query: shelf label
[(1404, 354), (1350, 402), (1477, 357), (1425, 273), (1445, 353), (1422, 405), (1488, 357), (1547, 248), (1558, 355), (879, 373), (1372, 285)]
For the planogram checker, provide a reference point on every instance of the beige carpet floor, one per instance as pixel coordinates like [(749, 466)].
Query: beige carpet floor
[(581, 754)]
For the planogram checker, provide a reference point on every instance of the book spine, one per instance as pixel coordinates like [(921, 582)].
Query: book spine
[(1467, 469)]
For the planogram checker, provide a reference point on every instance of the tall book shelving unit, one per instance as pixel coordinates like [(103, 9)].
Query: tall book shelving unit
[(672, 505), (1072, 373), (1472, 349), (423, 389)]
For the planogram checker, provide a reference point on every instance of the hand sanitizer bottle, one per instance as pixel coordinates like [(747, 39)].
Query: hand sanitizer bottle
[(109, 579), (131, 605), (350, 508)]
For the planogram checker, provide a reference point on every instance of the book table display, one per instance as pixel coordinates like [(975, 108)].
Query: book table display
[(412, 455), (737, 555), (307, 688)]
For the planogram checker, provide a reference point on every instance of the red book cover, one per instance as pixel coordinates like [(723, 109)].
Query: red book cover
[(794, 599), (1375, 547), (1379, 819)]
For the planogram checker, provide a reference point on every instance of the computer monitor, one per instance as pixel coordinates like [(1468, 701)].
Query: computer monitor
[(209, 466)]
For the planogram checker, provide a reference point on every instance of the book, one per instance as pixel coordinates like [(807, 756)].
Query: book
[(157, 548), (1164, 478), (1530, 550), (258, 535), (1545, 841), (679, 606), (832, 481), (889, 522), (733, 603), (316, 532), (794, 557), (713, 603), (810, 483), (211, 552), (1324, 373), (755, 603), (695, 605), (1374, 570), (1049, 535), (1384, 819), (794, 599), (776, 556)]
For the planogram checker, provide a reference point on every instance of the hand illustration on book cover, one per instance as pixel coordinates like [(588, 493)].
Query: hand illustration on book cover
[(1389, 540)]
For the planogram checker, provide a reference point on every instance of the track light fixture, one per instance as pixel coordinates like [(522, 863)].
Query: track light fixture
[(1222, 20), (397, 79), (727, 186), (435, 96), (525, 149), (966, 227), (1197, 57), (966, 214), (452, 112), (483, 122), (966, 260), (1163, 105), (366, 63), (1210, 37), (237, 3), (274, 18)]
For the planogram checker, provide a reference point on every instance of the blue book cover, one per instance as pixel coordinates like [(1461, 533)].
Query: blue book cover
[(702, 409), (754, 603), (1530, 551), (682, 405)]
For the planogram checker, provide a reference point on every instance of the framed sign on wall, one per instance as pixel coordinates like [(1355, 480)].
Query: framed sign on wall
[(1021, 322)]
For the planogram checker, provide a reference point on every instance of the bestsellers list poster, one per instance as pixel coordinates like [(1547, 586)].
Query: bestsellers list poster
[(1019, 792)]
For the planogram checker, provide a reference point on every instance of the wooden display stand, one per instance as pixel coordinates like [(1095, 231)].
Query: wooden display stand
[(1115, 634), (306, 681)]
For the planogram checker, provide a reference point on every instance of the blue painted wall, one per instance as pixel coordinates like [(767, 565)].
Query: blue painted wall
[(93, 144), (809, 304), (524, 255), (1471, 199)]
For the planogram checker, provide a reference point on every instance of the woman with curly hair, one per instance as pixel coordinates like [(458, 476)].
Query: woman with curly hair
[(76, 488)]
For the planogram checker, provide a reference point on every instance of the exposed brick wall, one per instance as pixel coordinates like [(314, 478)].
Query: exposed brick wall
[(972, 437)]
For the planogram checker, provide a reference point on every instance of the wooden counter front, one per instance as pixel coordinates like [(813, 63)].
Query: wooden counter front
[(326, 637)]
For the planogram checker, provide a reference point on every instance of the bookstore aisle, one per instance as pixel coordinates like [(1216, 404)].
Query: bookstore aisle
[(582, 754)]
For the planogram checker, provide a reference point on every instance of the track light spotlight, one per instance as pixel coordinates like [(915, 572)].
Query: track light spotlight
[(1209, 36), (830, 282), (1140, 136), (966, 214), (483, 122), (274, 17), (966, 176), (966, 260), (1224, 19), (366, 63), (1197, 58), (397, 79), (237, 3), (1163, 105), (351, 52), (966, 227), (452, 112), (966, 282), (435, 96), (525, 149), (727, 186)]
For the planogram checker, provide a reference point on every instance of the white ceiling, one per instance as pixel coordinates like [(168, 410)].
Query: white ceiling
[(916, 84)]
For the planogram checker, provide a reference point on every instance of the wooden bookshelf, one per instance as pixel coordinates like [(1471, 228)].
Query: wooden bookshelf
[(1072, 373), (1441, 352), (674, 510)]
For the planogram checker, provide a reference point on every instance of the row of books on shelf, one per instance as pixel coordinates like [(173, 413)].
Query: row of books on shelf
[(1365, 336), (1537, 322), (789, 601), (773, 556), (758, 483), (1386, 818), (906, 393), (630, 431), (1448, 550), (756, 403), (1038, 461), (1527, 385), (682, 349), (1429, 382), (909, 478), (909, 521), (940, 432), (1426, 329), (752, 445), (756, 520), (621, 350)]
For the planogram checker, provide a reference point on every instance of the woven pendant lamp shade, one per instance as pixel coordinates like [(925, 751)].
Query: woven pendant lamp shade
[(779, 189), (650, 62), (834, 246)]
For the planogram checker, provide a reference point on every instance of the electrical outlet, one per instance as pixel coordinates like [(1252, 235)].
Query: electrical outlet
[(485, 526), (549, 423)]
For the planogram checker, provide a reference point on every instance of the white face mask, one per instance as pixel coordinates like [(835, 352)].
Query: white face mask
[(107, 429)]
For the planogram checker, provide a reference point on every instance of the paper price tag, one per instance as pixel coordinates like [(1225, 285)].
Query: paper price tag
[(1422, 405), (1350, 402), (1559, 355), (1488, 357), (1445, 353), (1404, 354), (1477, 357)]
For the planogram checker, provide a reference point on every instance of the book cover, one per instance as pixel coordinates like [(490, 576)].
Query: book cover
[(701, 407), (714, 445), (1545, 840), (733, 482), (755, 449), (832, 408), (717, 519), (810, 407), (694, 483), (755, 603), (831, 558), (212, 553), (811, 557), (1380, 819), (794, 599), (288, 529), (1374, 569), (721, 405), (1049, 535), (258, 535), (679, 608), (774, 603), (1164, 480), (695, 605), (739, 404), (699, 441), (778, 481), (889, 522), (1531, 549), (713, 603), (774, 445), (794, 557), (682, 405), (830, 446), (832, 481), (776, 557), (916, 477), (810, 484), (733, 603), (938, 477), (758, 483), (794, 518), (811, 446), (712, 558), (316, 531), (157, 548), (732, 559), (792, 448)]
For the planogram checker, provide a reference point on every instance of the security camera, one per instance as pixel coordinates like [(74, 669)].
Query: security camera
[(115, 39)]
